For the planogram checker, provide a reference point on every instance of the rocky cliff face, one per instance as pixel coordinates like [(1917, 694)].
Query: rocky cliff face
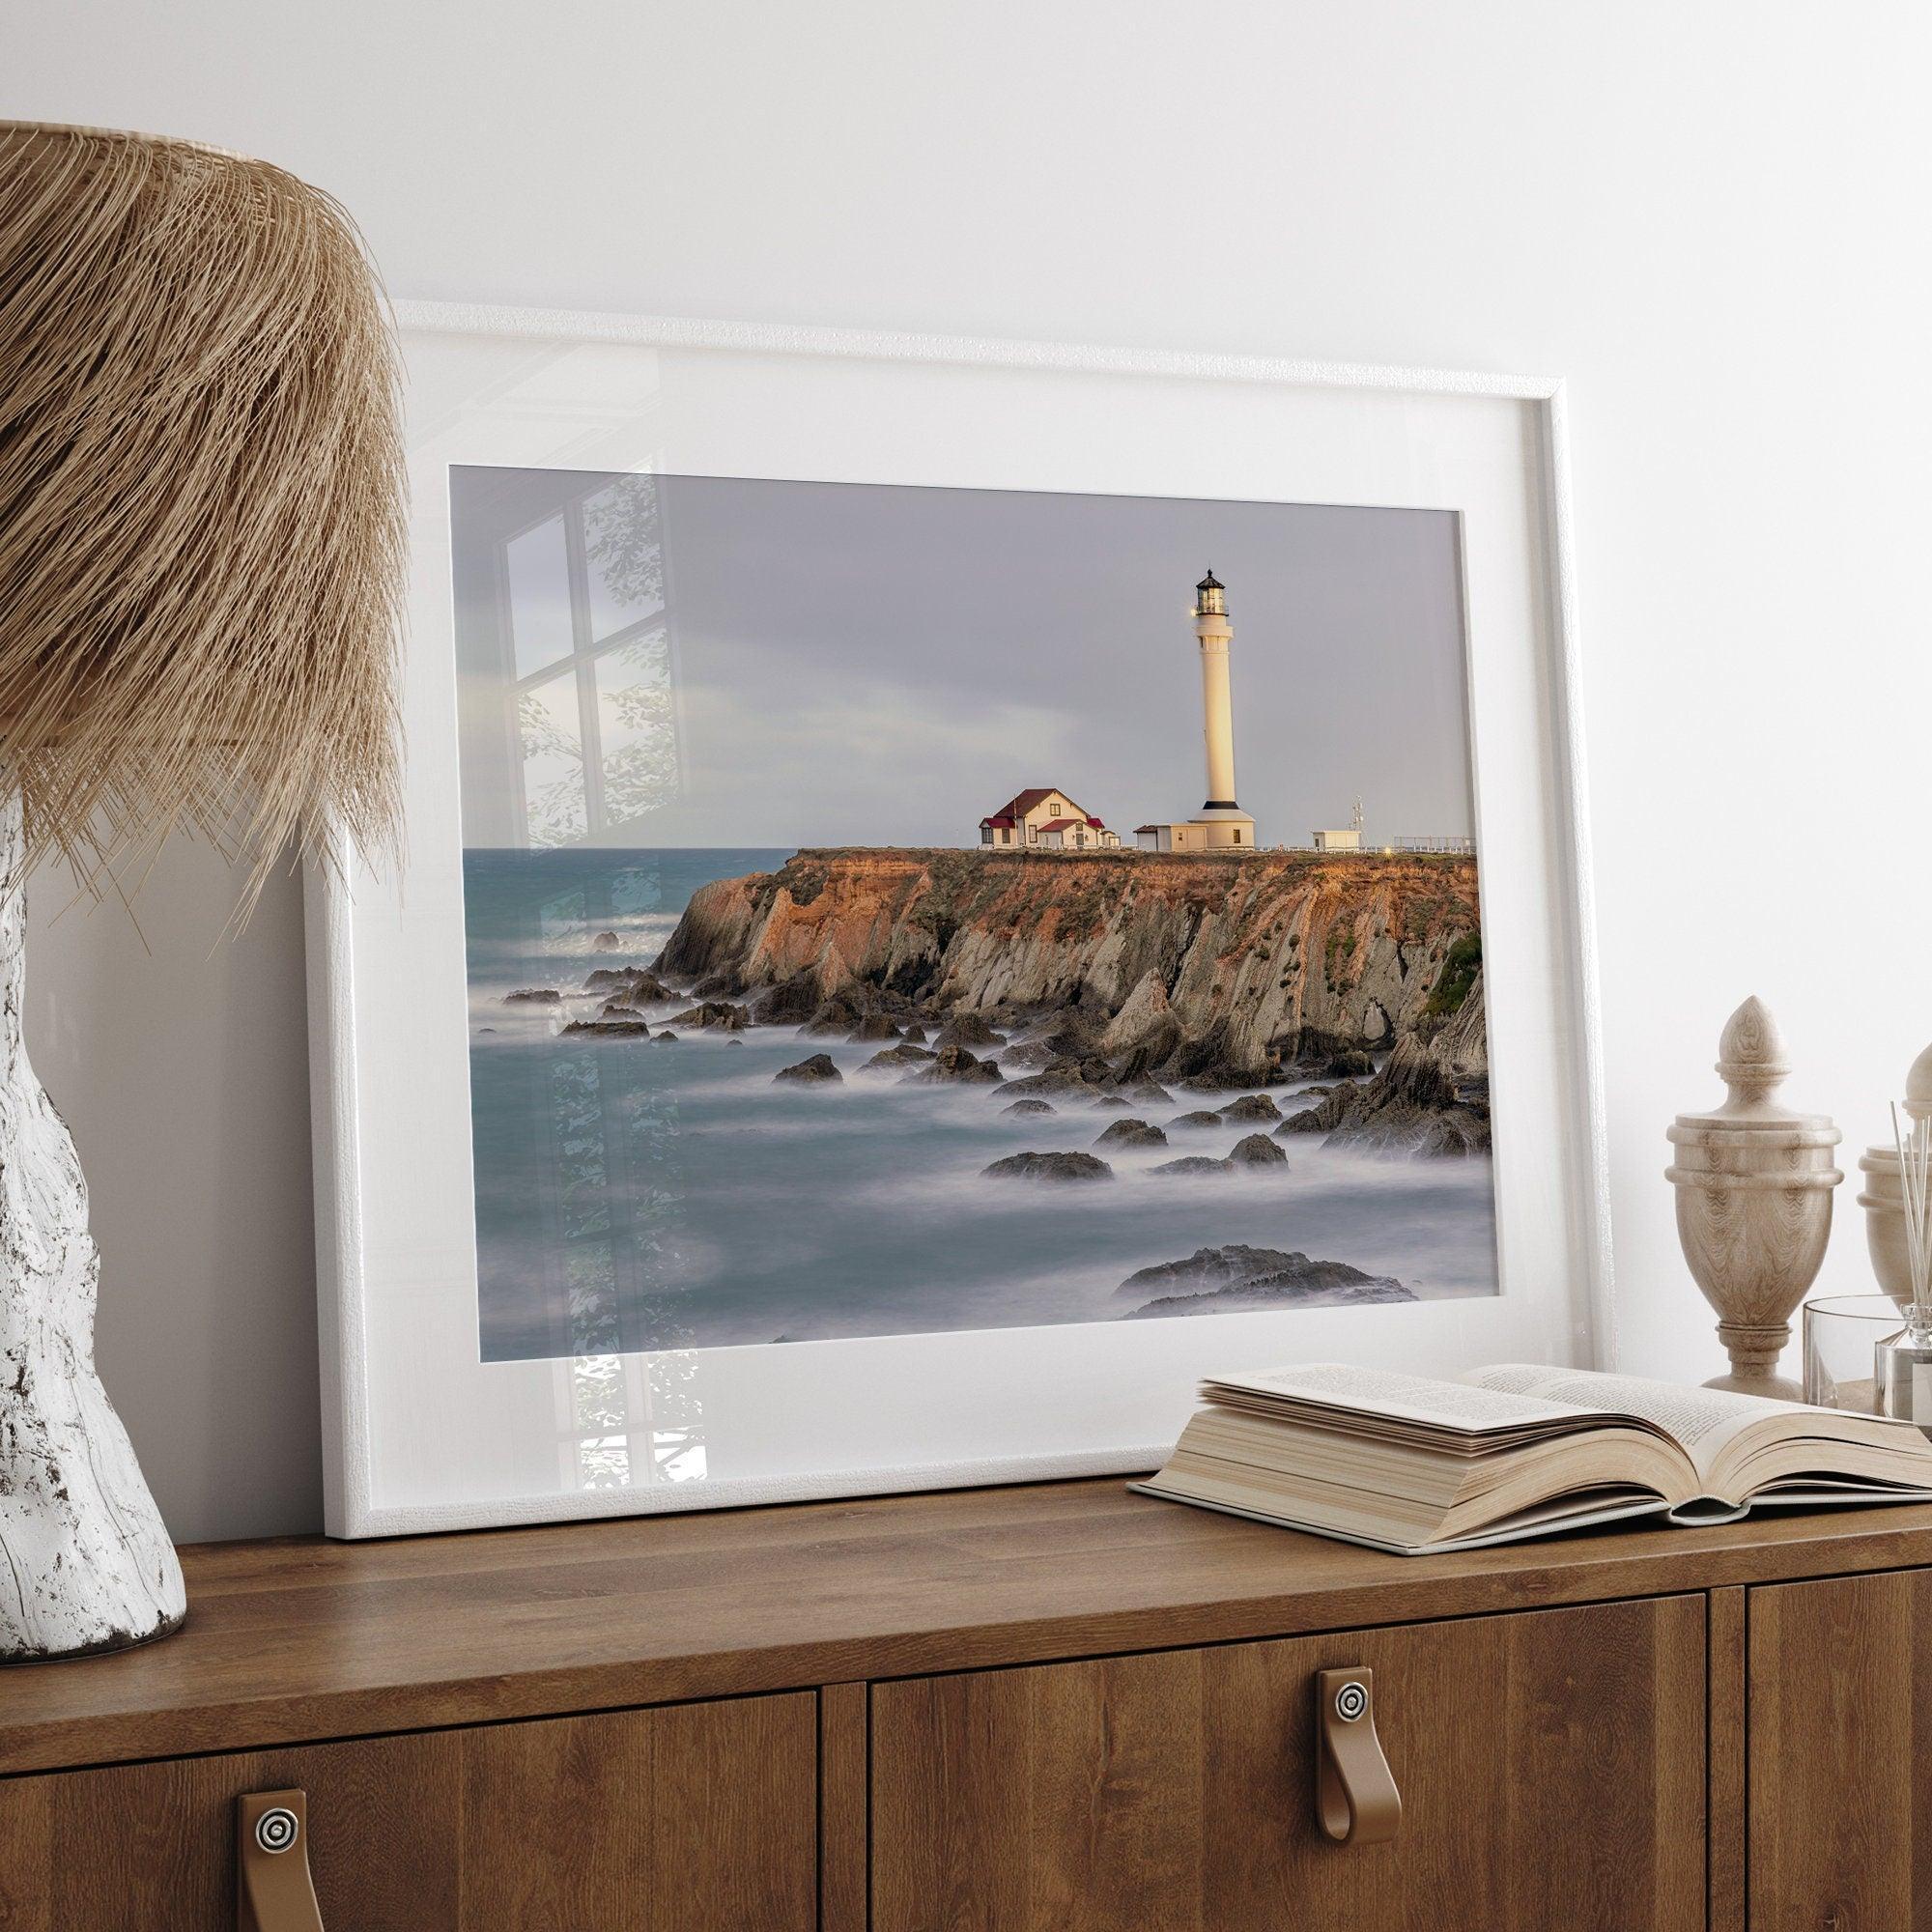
[(1220, 970)]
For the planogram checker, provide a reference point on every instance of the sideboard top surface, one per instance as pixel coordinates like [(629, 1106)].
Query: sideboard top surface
[(301, 1639)]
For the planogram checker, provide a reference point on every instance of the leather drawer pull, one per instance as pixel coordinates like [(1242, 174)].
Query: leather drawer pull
[(1355, 1798), (273, 1891)]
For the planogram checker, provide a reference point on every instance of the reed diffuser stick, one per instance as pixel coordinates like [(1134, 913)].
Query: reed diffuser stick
[(1912, 1133)]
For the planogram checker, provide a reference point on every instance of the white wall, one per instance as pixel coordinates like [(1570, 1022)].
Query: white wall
[(1711, 218)]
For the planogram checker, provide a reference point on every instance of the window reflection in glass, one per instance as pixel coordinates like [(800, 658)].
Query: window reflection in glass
[(555, 810), (538, 564), (622, 554), (602, 1406), (636, 726), (560, 923)]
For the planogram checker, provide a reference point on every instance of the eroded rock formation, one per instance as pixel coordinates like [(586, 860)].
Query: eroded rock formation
[(1208, 972)]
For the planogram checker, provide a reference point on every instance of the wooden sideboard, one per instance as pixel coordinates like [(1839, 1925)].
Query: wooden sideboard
[(1059, 1708)]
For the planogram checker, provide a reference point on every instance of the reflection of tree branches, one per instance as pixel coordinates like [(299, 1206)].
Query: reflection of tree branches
[(620, 1260), (601, 1413), (638, 725), (576, 1104), (556, 812), (544, 735), (621, 542)]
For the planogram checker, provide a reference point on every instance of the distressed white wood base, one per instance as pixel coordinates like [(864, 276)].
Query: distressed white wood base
[(85, 1561)]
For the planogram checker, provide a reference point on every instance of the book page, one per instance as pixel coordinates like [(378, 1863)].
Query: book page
[(1461, 1406), (1702, 1420)]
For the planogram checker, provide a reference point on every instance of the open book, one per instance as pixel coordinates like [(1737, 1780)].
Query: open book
[(1415, 1465)]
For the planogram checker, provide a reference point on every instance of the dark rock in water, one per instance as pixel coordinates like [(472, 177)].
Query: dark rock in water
[(1018, 1106), (914, 1032), (1251, 1107), (1075, 1038), (1430, 1097), (635, 1029), (970, 1030), (665, 1038), (790, 1004), (1149, 1094), (955, 1063), (896, 1059), (1258, 1151), (714, 1013), (735, 1041), (874, 1026), (606, 942), (1030, 1053), (1110, 1100), (1050, 1082), (838, 1014), (818, 1067), (533, 996), (1050, 1167), (1086, 1078), (628, 982), (1196, 1120), (1208, 1268), (1215, 1280), (619, 1009), (1348, 1065), (1450, 1135), (1195, 1163), (1130, 1133), (1212, 1062), (1405, 1110)]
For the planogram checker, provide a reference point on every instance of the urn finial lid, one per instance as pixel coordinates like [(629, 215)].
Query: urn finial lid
[(1918, 1087), (1751, 1059), (1752, 1064)]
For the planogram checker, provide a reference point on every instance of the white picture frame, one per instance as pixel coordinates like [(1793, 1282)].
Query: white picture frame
[(420, 1433)]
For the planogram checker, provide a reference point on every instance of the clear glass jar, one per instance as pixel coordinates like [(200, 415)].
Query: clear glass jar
[(1841, 1333)]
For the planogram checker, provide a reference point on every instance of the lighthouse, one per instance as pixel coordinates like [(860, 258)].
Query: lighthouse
[(1216, 634), (1220, 823)]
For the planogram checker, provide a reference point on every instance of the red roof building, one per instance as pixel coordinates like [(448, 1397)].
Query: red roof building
[(1042, 815)]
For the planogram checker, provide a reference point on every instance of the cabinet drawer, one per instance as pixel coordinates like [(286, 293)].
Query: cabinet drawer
[(1550, 1765), (688, 1818)]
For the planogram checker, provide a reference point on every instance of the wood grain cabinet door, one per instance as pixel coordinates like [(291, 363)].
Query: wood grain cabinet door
[(1840, 1733), (688, 1818), (1550, 1765)]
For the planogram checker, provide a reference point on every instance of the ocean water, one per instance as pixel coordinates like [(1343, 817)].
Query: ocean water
[(637, 1196)]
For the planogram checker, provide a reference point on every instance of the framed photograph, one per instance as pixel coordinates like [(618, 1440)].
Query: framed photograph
[(954, 888)]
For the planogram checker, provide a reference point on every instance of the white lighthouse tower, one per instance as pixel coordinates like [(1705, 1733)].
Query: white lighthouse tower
[(1220, 823), (1222, 820)]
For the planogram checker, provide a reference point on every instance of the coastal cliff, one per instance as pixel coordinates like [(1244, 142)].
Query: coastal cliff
[(1212, 971)]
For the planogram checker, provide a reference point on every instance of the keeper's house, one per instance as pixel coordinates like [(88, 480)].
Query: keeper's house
[(1046, 818)]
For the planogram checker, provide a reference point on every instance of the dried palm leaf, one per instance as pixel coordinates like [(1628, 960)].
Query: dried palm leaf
[(201, 506)]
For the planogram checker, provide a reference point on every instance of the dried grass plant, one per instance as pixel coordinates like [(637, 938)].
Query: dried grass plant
[(201, 507)]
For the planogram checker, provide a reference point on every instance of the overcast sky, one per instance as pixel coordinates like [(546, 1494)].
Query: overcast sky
[(876, 665)]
